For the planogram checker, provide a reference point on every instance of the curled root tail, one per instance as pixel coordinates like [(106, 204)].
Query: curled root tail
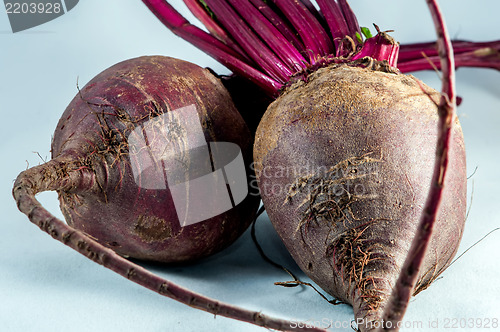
[(61, 175)]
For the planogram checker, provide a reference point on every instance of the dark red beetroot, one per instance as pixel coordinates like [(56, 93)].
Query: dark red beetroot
[(344, 164), (120, 145)]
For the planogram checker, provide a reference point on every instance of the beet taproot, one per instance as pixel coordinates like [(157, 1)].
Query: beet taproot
[(344, 164)]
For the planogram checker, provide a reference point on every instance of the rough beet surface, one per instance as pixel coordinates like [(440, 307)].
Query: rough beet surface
[(344, 164), (135, 215)]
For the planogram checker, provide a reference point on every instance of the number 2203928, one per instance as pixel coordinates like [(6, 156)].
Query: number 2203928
[(473, 323), (33, 8)]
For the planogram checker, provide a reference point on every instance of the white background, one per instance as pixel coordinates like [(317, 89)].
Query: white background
[(45, 286)]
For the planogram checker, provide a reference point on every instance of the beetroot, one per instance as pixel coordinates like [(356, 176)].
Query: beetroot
[(133, 134), (359, 149)]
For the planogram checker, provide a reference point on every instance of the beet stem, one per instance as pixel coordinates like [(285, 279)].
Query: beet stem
[(405, 284), (250, 42), (47, 177), (305, 31), (414, 51), (434, 62), (380, 47), (201, 14), (307, 26), (210, 45), (180, 26), (352, 21), (424, 56), (335, 19), (279, 23), (271, 36), (318, 15)]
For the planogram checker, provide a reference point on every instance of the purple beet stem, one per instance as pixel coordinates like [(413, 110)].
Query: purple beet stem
[(352, 21), (414, 51), (403, 290), (335, 18), (248, 41), (310, 30), (270, 34), (210, 45), (33, 181), (279, 23), (424, 56), (200, 13), (303, 29)]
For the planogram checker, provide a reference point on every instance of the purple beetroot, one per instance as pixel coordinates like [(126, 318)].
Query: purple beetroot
[(125, 154)]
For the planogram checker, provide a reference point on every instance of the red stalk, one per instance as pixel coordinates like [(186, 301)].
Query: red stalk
[(380, 47), (317, 14), (335, 19), (461, 60), (181, 27), (201, 14), (405, 284), (279, 23), (210, 45), (272, 36), (414, 51), (309, 29), (352, 21), (424, 56), (251, 43)]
